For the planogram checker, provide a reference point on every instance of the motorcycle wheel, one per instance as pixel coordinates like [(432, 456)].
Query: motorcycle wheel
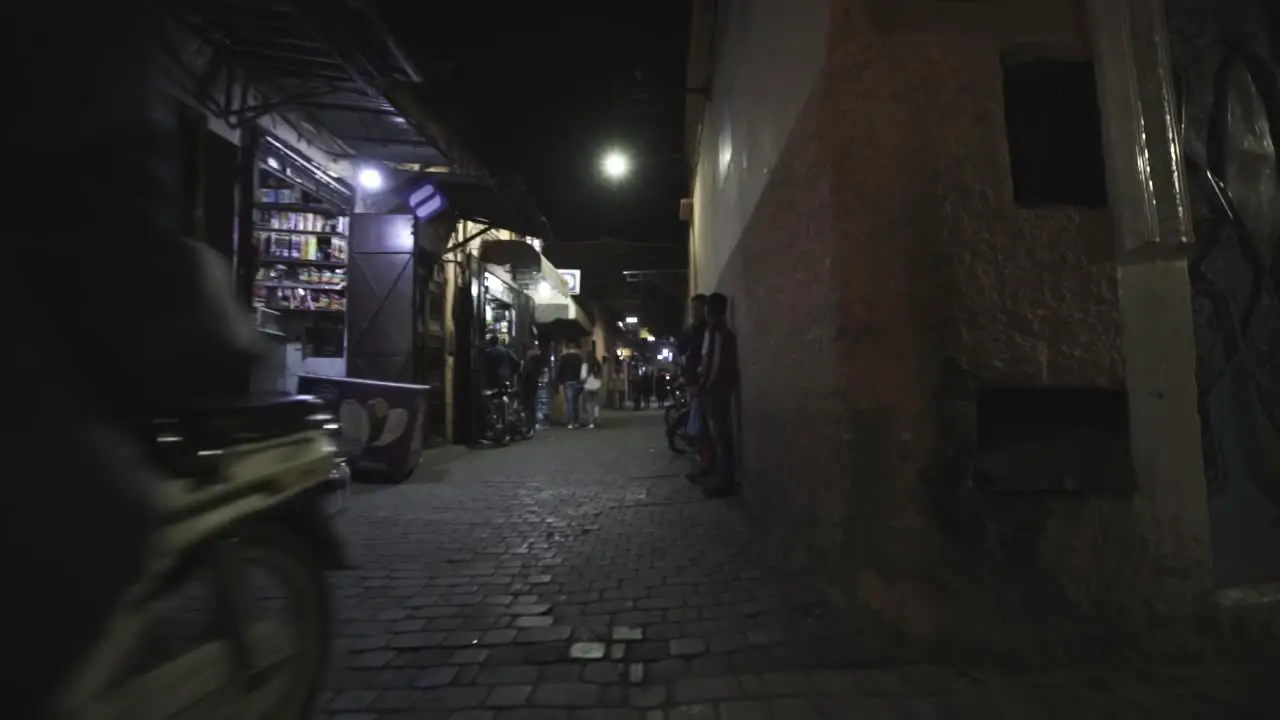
[(293, 693), (677, 437), (502, 433), (669, 414)]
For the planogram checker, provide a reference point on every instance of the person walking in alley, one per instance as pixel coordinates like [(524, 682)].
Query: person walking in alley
[(569, 377), (592, 388), (717, 380), (531, 373), (637, 390)]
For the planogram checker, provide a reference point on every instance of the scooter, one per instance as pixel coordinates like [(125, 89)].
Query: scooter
[(249, 491), (521, 419), (506, 418), (497, 403)]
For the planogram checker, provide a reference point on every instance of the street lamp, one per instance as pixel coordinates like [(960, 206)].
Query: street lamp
[(615, 165)]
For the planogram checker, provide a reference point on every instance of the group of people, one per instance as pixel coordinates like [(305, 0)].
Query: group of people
[(583, 383), (582, 379), (649, 387), (709, 357)]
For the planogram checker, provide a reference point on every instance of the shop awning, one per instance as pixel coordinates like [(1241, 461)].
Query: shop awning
[(324, 66), (561, 313), (518, 255), (489, 202), (553, 303)]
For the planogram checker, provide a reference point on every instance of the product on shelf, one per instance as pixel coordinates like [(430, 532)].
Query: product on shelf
[(302, 221), (308, 275), (301, 246), (296, 298), (302, 275), (282, 196), (293, 227)]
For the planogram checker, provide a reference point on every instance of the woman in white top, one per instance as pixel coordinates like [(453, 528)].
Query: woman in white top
[(592, 387)]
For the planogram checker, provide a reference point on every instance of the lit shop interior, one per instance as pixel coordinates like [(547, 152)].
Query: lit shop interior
[(301, 223), (506, 307)]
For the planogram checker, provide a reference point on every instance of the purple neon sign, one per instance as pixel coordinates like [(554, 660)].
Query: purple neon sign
[(426, 202)]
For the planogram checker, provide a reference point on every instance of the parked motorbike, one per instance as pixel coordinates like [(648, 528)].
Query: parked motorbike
[(249, 492), (506, 418), (497, 404), (522, 421)]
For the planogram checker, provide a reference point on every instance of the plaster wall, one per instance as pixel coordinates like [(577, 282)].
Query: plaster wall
[(856, 204)]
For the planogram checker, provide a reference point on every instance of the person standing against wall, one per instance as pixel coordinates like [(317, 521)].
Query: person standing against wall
[(717, 381), (569, 377), (690, 351)]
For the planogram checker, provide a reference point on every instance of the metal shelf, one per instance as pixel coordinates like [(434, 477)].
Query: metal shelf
[(300, 286), (301, 208), (283, 231), (264, 259)]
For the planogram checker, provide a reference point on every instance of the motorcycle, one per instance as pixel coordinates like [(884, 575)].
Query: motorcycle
[(497, 417), (248, 491), (506, 418), (522, 421)]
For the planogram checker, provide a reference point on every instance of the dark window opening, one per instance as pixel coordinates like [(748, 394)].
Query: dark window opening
[(1054, 130), (1053, 439)]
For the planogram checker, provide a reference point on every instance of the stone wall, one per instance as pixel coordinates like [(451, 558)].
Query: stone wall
[(882, 275)]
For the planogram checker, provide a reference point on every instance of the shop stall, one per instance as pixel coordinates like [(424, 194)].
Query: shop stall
[(499, 306), (299, 223)]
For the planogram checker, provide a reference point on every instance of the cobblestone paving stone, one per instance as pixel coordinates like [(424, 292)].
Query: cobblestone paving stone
[(577, 576)]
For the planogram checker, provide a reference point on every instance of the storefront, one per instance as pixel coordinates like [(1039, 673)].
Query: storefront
[(499, 305), (561, 323), (491, 272), (298, 256), (294, 193)]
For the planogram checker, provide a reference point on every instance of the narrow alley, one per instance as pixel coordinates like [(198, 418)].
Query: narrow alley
[(578, 576)]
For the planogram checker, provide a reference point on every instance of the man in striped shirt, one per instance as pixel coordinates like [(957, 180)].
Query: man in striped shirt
[(718, 377)]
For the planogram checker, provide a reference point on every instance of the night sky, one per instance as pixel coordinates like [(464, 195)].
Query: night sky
[(539, 91)]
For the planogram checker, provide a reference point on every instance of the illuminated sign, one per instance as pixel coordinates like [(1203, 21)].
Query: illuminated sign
[(426, 202), (572, 279)]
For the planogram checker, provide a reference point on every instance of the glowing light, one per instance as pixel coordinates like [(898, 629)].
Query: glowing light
[(615, 165), (370, 179)]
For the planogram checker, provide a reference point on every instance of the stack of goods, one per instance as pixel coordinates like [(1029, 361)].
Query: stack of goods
[(281, 287)]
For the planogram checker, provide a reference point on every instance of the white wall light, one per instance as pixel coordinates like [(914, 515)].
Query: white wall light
[(370, 179)]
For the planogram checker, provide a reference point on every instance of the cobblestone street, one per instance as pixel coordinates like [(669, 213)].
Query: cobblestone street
[(578, 576)]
